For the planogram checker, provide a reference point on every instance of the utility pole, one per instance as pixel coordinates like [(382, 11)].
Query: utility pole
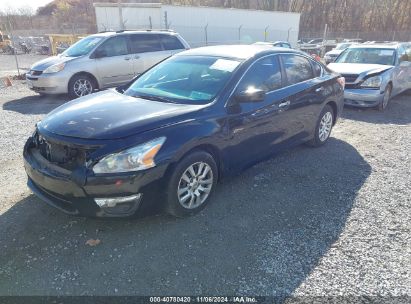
[(166, 20), (120, 15), (14, 50)]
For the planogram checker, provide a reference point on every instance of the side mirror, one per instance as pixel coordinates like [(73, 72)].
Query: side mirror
[(99, 53), (250, 95)]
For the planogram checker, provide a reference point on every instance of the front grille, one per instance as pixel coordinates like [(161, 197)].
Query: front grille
[(350, 78), (65, 156), (35, 73)]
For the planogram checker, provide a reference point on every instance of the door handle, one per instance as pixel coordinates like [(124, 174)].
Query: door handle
[(127, 58), (136, 57), (320, 89), (284, 104)]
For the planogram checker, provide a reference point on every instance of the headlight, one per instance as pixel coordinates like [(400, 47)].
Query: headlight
[(134, 159), (54, 68), (372, 82)]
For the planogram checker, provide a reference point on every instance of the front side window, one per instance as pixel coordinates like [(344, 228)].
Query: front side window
[(185, 79), (367, 56), (144, 43), (265, 75), (297, 68), (115, 46)]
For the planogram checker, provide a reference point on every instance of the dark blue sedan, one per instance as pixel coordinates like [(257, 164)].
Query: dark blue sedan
[(178, 128)]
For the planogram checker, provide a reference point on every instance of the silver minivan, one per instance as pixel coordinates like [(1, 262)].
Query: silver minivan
[(103, 60)]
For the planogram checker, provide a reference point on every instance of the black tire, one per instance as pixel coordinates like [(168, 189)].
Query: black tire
[(318, 140), (387, 97), (176, 182), (89, 81)]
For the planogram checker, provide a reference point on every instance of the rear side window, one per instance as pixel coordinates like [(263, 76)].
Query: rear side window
[(115, 46), (265, 74), (171, 42), (143, 43), (297, 68)]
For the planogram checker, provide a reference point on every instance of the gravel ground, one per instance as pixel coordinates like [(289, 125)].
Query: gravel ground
[(330, 221)]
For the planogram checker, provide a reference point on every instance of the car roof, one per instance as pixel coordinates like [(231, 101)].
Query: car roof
[(241, 51), (113, 33)]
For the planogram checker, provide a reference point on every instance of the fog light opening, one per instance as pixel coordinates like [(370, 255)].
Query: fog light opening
[(114, 201)]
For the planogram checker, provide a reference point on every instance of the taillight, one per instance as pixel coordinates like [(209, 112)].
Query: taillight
[(341, 81)]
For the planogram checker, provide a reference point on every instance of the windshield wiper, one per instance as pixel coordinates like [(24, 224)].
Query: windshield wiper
[(154, 98)]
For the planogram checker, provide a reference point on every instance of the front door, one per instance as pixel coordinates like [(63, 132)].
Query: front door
[(257, 128), (114, 65)]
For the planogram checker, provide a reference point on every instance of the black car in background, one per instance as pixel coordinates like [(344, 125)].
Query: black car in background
[(179, 128)]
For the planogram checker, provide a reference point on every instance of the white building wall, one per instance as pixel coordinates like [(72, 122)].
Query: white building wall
[(224, 24), (203, 25)]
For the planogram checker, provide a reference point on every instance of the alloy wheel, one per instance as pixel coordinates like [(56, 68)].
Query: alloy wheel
[(325, 126), (195, 185), (82, 87)]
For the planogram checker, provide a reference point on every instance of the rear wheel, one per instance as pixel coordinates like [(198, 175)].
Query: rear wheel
[(81, 85), (386, 99), (323, 127), (191, 184)]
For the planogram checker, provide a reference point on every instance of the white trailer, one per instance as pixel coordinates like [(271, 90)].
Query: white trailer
[(201, 25)]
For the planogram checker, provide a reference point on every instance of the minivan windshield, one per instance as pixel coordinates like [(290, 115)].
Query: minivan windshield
[(82, 47), (185, 79), (367, 56)]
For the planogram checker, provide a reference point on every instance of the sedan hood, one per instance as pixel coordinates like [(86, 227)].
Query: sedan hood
[(45, 63), (111, 115), (357, 68)]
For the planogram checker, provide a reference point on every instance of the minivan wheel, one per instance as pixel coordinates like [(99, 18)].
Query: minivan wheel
[(386, 99), (191, 184), (323, 127), (81, 85)]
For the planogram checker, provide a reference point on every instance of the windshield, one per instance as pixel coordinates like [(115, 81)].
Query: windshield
[(82, 47), (184, 79), (368, 56)]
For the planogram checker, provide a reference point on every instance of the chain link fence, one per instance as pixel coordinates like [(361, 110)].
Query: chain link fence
[(364, 35)]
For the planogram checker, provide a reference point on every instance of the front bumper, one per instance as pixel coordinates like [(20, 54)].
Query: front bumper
[(55, 83), (365, 98), (75, 195)]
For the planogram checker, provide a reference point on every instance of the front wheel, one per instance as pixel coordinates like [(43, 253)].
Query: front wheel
[(81, 85), (323, 127), (191, 184), (386, 99)]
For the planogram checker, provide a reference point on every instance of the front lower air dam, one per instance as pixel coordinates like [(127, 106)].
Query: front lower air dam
[(117, 206)]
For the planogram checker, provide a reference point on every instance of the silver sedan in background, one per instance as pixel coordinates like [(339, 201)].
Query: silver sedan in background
[(374, 73)]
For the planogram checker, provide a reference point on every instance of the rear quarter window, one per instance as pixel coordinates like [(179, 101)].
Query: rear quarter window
[(297, 68), (171, 42), (317, 68)]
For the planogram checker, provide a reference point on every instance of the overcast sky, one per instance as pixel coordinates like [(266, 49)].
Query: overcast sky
[(4, 4)]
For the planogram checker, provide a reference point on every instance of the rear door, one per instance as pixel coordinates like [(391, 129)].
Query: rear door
[(307, 92), (146, 51), (114, 67)]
